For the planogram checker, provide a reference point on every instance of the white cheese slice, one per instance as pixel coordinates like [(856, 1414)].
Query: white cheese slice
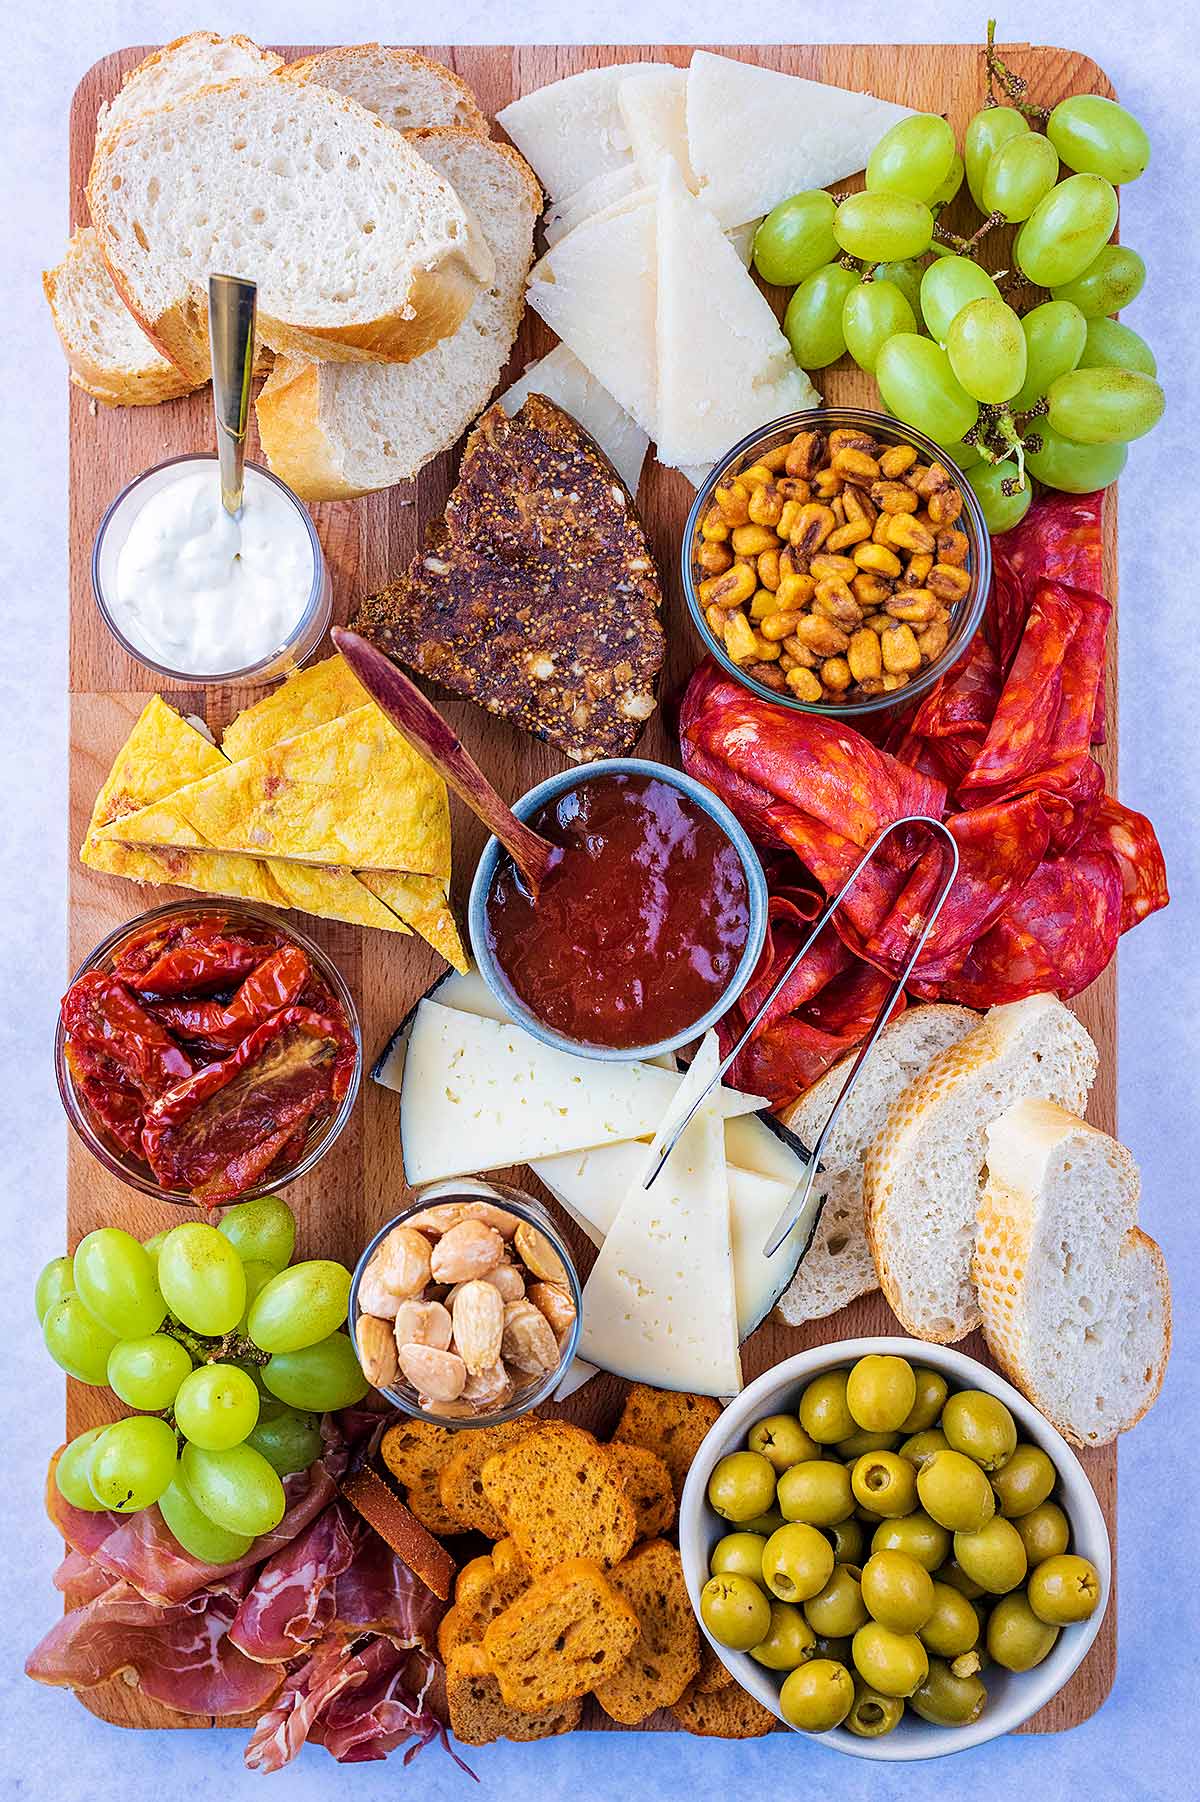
[(659, 1306), (571, 130), (602, 191), (756, 137), (721, 322), (596, 289), (653, 107), (482, 1094), (577, 1373), (562, 378)]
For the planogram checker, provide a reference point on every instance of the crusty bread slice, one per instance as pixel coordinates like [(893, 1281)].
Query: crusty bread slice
[(332, 430), (838, 1266), (202, 59), (922, 1177), (485, 1588), (1075, 1298), (561, 1638), (729, 1712), (666, 1657), (460, 1480), (671, 1424), (361, 251), (479, 1713), (560, 1495), (647, 1483), (109, 354), (405, 90)]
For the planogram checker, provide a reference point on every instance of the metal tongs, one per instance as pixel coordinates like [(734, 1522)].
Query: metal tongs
[(799, 1200)]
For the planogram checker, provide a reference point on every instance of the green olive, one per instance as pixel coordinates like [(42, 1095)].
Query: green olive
[(858, 1443), (1016, 1638), (817, 1492), (788, 1641), (782, 1441), (741, 1486), (1024, 1483), (880, 1393), (1045, 1532), (885, 1483), (838, 1610), (797, 1562), (867, 1516), (735, 1611), (921, 1447), (873, 1714), (738, 1555), (1064, 1589), (953, 1627), (955, 1491), (957, 1578), (980, 1426), (817, 1697), (893, 1663), (764, 1524), (849, 1540), (898, 1592), (918, 1535), (932, 1391), (823, 1411), (947, 1700), (993, 1556)]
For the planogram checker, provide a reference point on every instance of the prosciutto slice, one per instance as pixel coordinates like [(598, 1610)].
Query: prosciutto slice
[(361, 1699)]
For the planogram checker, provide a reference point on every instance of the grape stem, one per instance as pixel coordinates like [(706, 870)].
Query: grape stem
[(229, 1347), (1014, 87), (965, 247)]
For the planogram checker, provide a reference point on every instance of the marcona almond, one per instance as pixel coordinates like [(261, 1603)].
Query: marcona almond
[(439, 1375), (478, 1325), (491, 1388), (555, 1304), (377, 1351), (467, 1250), (538, 1255), (423, 1323), (401, 1263), (440, 1218), (528, 1342)]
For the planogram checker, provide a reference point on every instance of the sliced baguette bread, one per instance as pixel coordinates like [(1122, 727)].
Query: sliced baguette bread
[(331, 430), (405, 90), (202, 59), (838, 1266), (1075, 1298), (922, 1177), (361, 251), (109, 354)]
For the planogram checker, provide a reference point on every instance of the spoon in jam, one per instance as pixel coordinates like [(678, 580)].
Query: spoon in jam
[(419, 721)]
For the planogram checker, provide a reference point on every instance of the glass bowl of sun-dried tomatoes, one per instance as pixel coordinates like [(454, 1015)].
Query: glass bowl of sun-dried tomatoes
[(206, 1053)]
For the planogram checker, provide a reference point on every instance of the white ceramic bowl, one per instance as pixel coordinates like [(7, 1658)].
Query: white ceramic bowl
[(1012, 1696)]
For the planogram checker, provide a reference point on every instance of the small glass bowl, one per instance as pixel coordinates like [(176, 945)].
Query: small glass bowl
[(967, 614), (513, 1201), (301, 642), (137, 1173)]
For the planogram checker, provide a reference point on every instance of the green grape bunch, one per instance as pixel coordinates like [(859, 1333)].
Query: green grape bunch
[(1014, 383), (229, 1352)]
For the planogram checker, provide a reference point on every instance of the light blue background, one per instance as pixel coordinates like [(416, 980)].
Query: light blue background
[(1140, 1744)]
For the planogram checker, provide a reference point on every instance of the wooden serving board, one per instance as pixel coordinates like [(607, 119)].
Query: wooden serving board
[(359, 1185)]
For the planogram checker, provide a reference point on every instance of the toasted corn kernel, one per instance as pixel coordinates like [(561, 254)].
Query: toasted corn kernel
[(733, 504), (823, 565), (786, 662), (768, 569), (869, 590), (915, 604), (852, 437), (823, 637), (864, 657), (766, 504), (731, 589), (767, 650), (933, 480), (799, 653), (901, 652), (775, 460), (835, 674), (952, 546), (770, 675), (894, 679), (908, 534), (714, 559), (826, 483), (835, 601), (811, 529), (857, 506), (838, 503), (756, 474), (804, 454), (879, 623), (894, 497), (874, 557), (778, 626), (853, 532), (854, 465), (788, 516), (804, 684), (948, 582), (915, 474), (794, 488), (945, 506), (897, 459), (918, 568), (748, 541), (934, 639), (762, 603), (715, 617), (714, 530), (740, 641), (794, 589), (881, 531)]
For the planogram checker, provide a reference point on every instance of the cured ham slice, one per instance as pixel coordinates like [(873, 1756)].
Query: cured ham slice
[(360, 1700)]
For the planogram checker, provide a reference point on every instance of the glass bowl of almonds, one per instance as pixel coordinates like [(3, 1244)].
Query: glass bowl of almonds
[(837, 562), (465, 1309)]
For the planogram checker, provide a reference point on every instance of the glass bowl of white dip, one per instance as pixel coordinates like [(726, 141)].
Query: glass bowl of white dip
[(198, 596)]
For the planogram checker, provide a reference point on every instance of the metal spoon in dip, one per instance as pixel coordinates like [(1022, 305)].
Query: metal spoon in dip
[(232, 308)]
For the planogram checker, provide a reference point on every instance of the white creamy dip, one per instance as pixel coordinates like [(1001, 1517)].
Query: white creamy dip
[(204, 593)]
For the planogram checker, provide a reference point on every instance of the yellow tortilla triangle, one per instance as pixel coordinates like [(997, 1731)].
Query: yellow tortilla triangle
[(312, 697), (333, 895), (423, 902)]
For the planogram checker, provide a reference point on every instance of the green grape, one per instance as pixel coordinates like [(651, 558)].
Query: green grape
[(1067, 230), (146, 1373), (914, 158), (77, 1342), (946, 288), (952, 183), (1111, 345), (1105, 406), (319, 1378), (237, 1488), (795, 238), (1108, 284), (287, 1440), (880, 227), (1099, 137), (70, 1473), (202, 1278), (919, 387), (1001, 511), (986, 348), (258, 1275), (1074, 468), (905, 275), (115, 1280), (132, 1463), (1021, 173), (988, 130), (873, 313), (200, 1537), (1054, 338), (56, 1280), (813, 321), (262, 1231), (965, 455), (300, 1306), (216, 1407), (153, 1246)]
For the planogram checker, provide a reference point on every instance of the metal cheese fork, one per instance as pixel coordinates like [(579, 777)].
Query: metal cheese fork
[(668, 1140)]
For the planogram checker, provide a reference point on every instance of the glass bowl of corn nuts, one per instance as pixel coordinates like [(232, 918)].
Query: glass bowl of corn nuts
[(836, 562)]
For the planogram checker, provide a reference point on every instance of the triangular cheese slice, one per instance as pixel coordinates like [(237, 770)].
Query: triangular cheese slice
[(653, 105), (562, 378), (659, 1306), (721, 322), (571, 131), (594, 196), (756, 137)]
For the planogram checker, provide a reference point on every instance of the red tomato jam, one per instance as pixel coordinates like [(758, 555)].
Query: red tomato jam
[(210, 1052), (639, 926)]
